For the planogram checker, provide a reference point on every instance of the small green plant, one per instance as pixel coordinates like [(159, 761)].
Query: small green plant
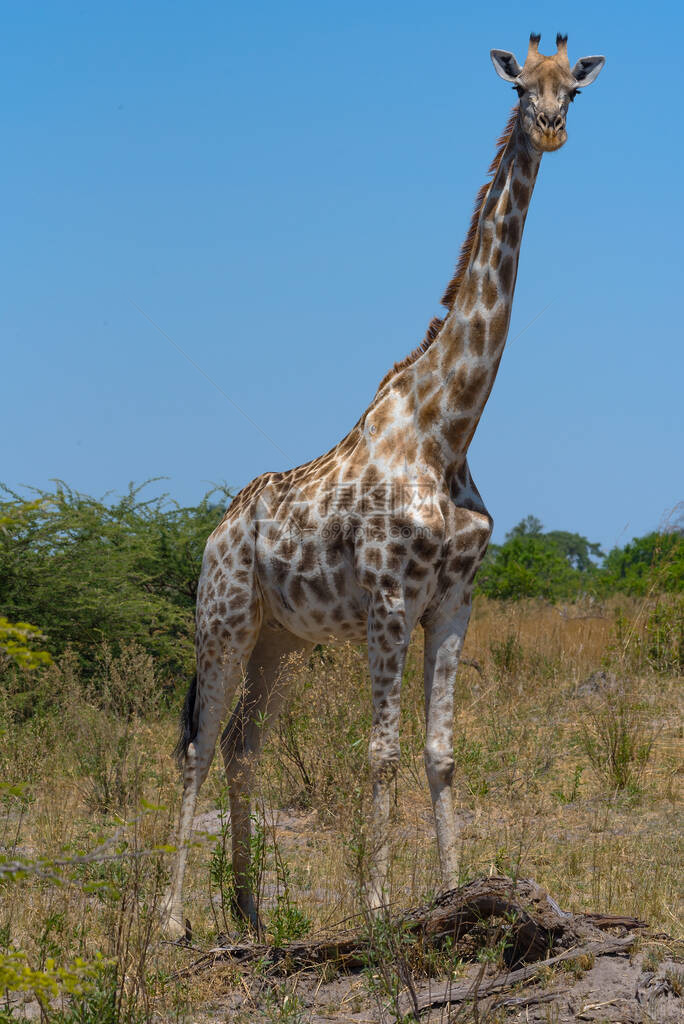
[(388, 970), (475, 763), (664, 638), (221, 879), (578, 966), (284, 1006), (618, 742), (286, 921), (652, 959), (561, 796), (508, 655)]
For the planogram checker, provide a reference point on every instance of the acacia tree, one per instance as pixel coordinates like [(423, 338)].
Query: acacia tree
[(92, 570)]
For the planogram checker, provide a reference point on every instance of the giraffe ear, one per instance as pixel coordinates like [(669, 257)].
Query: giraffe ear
[(505, 65), (587, 69)]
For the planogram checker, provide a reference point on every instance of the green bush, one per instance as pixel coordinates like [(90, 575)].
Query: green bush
[(88, 570), (530, 563)]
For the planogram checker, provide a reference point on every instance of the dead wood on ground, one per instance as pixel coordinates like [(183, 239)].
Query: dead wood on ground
[(537, 933)]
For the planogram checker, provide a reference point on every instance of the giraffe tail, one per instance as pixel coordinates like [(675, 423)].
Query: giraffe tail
[(188, 723)]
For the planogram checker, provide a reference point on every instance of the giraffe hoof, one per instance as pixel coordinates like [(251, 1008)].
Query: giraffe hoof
[(174, 925)]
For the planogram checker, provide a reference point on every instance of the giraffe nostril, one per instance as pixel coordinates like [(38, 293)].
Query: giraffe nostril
[(559, 123), (542, 121)]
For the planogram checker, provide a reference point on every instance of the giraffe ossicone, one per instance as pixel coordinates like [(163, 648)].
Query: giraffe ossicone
[(384, 532)]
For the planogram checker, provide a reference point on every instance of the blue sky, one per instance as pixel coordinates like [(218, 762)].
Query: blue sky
[(283, 189)]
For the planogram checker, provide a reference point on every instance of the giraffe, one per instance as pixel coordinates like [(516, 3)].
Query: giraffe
[(384, 532)]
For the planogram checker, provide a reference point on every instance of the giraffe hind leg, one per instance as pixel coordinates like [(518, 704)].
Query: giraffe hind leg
[(275, 659), (225, 637), (208, 710)]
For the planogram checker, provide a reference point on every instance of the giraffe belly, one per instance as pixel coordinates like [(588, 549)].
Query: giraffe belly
[(313, 620), (307, 595)]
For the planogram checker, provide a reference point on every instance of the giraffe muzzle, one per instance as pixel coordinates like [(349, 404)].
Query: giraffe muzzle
[(548, 132)]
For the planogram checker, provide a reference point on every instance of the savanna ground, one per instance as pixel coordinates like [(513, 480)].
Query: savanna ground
[(568, 760)]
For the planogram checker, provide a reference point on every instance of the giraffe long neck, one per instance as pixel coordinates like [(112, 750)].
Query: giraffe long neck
[(453, 378)]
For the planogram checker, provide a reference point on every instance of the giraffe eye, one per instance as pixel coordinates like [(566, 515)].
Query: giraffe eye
[(572, 94)]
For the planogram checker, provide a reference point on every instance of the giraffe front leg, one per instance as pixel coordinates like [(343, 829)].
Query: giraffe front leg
[(443, 644), (387, 644)]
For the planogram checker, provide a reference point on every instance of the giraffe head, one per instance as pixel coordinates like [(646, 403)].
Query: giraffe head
[(546, 85)]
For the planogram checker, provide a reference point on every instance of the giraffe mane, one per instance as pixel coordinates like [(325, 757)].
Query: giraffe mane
[(449, 297)]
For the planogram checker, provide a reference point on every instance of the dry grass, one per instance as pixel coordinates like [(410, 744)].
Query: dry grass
[(545, 788)]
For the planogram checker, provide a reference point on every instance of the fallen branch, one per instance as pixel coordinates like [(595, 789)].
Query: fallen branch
[(449, 993), (534, 925)]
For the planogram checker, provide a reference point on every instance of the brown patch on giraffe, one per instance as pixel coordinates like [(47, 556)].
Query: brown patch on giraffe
[(334, 552), (431, 451), (367, 578), (415, 571), (280, 570), (524, 163), (490, 293), (521, 194), (428, 412), (396, 631), (296, 592), (476, 335), (513, 231), (425, 386), (309, 557), (370, 478), (377, 525), (496, 258), (389, 448), (410, 448), (456, 431), (402, 383), (373, 557), (507, 273), (459, 564), (467, 296), (389, 584), (301, 518), (382, 415), (470, 394), (455, 349), (339, 579), (425, 548), (497, 328), (456, 385), (471, 574), (320, 589), (485, 244), (287, 548)]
